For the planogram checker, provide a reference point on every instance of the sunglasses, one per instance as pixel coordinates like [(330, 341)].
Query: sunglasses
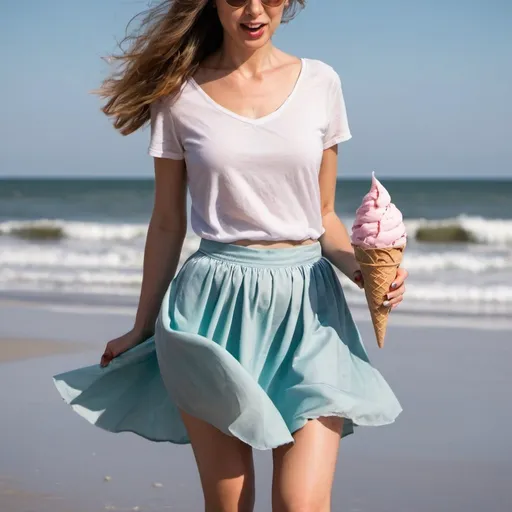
[(243, 3)]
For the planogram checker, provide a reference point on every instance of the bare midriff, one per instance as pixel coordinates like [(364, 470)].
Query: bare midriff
[(272, 244)]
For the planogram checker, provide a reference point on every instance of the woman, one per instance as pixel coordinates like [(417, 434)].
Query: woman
[(251, 344)]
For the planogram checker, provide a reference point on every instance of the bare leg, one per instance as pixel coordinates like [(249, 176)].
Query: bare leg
[(225, 467), (304, 471)]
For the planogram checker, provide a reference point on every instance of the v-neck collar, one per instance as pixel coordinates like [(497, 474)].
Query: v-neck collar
[(257, 120)]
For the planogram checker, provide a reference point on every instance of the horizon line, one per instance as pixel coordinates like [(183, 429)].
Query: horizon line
[(349, 177)]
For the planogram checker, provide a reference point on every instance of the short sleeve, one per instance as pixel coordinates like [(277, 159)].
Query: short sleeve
[(164, 141), (337, 126)]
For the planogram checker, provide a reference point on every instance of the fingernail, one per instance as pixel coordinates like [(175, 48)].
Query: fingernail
[(393, 285), (385, 303)]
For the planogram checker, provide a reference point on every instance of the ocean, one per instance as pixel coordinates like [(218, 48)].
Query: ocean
[(84, 238)]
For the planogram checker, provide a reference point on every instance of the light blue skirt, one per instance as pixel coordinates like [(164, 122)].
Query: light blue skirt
[(253, 341)]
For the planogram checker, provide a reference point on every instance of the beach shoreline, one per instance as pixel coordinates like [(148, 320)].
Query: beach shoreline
[(105, 304)]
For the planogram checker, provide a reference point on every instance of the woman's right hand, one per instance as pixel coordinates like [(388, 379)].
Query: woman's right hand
[(119, 345)]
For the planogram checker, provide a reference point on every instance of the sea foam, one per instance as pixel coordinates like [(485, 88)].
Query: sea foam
[(484, 231)]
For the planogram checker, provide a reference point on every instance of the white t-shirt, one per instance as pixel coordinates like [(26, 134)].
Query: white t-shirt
[(254, 179)]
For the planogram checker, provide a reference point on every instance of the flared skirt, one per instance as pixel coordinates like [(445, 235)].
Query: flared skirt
[(255, 342)]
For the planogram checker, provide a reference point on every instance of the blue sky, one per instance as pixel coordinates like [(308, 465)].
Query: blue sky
[(427, 85)]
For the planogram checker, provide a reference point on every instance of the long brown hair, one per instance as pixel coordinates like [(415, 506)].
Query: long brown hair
[(171, 41)]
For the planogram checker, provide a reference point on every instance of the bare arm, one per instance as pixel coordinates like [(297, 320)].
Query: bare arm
[(336, 245), (166, 232), (164, 241)]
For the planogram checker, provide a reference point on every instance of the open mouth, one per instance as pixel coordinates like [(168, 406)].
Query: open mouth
[(253, 29)]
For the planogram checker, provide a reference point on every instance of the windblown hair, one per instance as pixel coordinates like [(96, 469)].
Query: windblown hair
[(166, 48)]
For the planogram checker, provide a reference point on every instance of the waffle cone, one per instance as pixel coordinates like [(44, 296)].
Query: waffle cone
[(378, 267)]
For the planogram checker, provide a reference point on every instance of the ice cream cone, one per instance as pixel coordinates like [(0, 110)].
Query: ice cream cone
[(378, 267)]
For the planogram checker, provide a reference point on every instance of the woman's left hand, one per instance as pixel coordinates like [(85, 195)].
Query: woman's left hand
[(396, 291)]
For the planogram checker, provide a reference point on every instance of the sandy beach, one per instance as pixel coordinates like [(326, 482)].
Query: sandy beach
[(450, 450), (19, 349)]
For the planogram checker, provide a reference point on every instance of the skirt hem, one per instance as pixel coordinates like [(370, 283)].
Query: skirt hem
[(298, 422)]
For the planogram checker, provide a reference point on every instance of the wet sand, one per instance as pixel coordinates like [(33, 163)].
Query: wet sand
[(14, 499), (18, 349), (449, 451)]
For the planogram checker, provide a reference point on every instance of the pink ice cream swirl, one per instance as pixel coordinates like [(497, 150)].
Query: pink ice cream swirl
[(378, 223)]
